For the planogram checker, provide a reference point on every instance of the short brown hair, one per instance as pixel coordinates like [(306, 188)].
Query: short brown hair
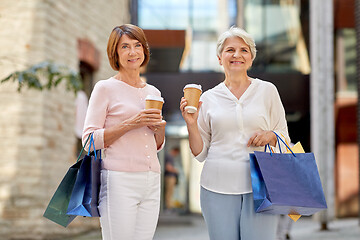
[(133, 32)]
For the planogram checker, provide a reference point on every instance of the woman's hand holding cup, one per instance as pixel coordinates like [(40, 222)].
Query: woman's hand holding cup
[(155, 103), (190, 118), (190, 104), (148, 117)]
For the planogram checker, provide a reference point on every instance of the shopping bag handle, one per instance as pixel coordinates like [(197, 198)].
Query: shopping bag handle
[(277, 136), (92, 144), (83, 148), (268, 146)]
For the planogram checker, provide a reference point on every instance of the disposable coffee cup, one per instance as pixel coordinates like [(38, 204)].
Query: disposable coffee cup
[(153, 102), (192, 93)]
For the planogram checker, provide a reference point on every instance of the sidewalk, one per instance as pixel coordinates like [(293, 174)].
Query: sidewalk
[(192, 227), (308, 229)]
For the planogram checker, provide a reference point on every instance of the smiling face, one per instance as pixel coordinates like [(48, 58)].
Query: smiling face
[(130, 52), (236, 55)]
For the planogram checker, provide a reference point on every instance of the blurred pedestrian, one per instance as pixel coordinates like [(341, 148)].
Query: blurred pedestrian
[(235, 118), (129, 200), (171, 177)]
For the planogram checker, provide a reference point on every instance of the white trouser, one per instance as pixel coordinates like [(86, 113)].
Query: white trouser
[(129, 205)]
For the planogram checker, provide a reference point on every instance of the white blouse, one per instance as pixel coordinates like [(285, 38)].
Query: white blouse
[(226, 125)]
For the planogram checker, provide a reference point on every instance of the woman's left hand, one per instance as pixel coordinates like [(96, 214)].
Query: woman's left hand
[(262, 138), (159, 132), (158, 128)]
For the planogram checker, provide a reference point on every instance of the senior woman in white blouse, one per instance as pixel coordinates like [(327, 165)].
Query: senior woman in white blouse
[(235, 118)]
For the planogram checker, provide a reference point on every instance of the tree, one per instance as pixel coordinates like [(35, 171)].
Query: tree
[(54, 73)]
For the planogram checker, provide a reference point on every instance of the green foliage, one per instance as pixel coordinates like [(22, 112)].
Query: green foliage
[(52, 72)]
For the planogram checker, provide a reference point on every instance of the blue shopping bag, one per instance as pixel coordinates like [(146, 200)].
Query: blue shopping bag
[(286, 183), (85, 195)]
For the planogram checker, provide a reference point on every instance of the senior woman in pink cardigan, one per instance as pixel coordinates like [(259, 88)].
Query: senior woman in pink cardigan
[(129, 200)]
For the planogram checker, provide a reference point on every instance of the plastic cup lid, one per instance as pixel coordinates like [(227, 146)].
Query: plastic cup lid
[(193, 86), (155, 98)]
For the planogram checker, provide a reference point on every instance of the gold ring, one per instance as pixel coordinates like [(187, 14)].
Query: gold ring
[(155, 129)]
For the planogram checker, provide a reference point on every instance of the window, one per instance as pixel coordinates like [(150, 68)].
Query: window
[(280, 39), (202, 19), (349, 60)]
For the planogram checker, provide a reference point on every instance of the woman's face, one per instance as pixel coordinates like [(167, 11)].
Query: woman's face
[(131, 53), (236, 55)]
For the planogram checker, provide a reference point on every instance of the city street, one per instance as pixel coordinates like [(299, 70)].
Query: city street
[(192, 227)]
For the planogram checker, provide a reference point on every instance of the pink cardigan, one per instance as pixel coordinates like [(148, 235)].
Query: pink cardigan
[(113, 101)]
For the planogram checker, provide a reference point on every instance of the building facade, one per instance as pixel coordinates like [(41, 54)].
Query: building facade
[(37, 136)]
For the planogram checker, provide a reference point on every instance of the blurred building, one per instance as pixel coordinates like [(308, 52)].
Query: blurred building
[(281, 29), (347, 150), (281, 32), (38, 141)]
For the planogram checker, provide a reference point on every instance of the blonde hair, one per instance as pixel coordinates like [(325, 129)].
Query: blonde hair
[(236, 32), (133, 32)]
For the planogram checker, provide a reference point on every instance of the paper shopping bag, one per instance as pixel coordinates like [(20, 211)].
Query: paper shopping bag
[(297, 148), (85, 195), (58, 205), (286, 183)]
